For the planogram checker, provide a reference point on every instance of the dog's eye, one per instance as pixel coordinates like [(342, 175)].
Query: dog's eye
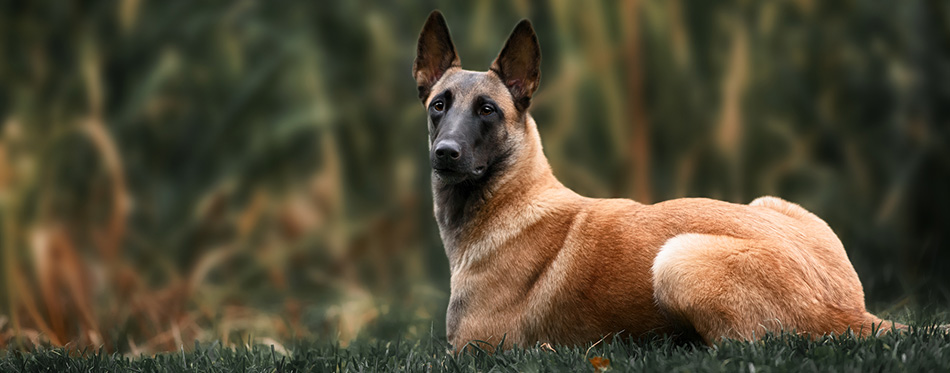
[(438, 105), (486, 110)]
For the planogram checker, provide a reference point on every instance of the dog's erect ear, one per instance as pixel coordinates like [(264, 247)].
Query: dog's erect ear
[(435, 53), (519, 64)]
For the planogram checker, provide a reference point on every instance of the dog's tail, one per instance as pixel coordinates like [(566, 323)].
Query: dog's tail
[(880, 326), (876, 326)]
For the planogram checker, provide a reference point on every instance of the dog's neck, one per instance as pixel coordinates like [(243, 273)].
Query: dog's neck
[(463, 210)]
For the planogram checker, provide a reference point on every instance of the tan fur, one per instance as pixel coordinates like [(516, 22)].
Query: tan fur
[(537, 262), (543, 264)]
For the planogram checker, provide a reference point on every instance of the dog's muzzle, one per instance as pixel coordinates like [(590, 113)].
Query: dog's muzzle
[(451, 163)]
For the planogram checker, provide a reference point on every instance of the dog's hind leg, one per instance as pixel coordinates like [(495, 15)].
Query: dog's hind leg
[(692, 285), (727, 287)]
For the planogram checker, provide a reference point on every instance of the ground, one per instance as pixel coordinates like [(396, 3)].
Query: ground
[(922, 349)]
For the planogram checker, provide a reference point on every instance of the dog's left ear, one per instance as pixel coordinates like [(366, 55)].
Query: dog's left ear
[(435, 54), (519, 64)]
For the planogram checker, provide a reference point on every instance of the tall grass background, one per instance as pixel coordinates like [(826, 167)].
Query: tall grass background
[(249, 171)]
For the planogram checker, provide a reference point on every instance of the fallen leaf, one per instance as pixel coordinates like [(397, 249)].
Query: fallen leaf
[(599, 363)]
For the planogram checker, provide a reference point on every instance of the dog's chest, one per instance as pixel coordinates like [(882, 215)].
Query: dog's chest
[(485, 304)]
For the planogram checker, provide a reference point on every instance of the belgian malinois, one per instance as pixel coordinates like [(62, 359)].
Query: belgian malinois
[(532, 261)]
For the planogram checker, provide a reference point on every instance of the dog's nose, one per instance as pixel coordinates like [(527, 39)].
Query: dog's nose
[(448, 150)]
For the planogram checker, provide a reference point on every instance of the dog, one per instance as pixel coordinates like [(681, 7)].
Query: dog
[(533, 262)]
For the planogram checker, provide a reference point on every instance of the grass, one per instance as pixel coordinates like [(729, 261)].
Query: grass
[(922, 349)]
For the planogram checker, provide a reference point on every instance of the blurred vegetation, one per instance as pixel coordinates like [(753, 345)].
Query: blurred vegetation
[(172, 171)]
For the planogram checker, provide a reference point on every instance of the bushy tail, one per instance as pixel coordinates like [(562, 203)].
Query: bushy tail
[(875, 326), (880, 327)]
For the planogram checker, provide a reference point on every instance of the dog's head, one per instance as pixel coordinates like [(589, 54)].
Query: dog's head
[(477, 120)]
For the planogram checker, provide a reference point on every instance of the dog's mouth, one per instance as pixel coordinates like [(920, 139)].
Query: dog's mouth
[(453, 176), (446, 171)]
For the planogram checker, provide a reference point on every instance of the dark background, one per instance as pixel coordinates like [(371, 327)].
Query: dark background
[(177, 170)]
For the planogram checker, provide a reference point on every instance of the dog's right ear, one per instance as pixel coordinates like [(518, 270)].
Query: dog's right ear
[(435, 54)]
